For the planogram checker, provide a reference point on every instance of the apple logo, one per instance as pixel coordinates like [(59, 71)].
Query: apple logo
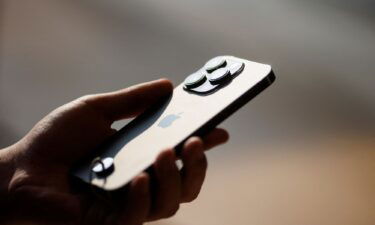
[(168, 120)]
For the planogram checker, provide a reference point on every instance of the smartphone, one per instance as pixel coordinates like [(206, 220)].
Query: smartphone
[(206, 98)]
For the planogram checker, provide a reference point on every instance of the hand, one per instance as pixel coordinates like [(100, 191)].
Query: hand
[(39, 188)]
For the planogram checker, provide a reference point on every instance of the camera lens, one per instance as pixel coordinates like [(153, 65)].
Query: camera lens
[(104, 167), (195, 79), (215, 63), (218, 76), (236, 68), (204, 88)]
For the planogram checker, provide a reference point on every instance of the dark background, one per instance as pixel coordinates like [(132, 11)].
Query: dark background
[(300, 153)]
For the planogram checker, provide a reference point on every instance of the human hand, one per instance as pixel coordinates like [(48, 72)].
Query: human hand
[(39, 187)]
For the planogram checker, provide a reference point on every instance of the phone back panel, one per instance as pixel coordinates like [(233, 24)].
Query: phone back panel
[(135, 147)]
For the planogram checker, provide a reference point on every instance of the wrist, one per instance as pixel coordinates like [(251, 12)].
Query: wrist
[(7, 169)]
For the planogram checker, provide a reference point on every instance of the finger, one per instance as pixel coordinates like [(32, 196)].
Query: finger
[(138, 202), (129, 102), (216, 137), (167, 193), (194, 169)]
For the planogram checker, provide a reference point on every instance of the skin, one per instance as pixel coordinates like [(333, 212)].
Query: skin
[(35, 187)]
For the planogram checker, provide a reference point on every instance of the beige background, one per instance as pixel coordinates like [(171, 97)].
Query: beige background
[(301, 153)]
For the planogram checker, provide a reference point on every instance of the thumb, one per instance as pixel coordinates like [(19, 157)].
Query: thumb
[(129, 102)]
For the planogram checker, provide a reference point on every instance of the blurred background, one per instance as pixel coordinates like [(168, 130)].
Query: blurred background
[(301, 153)]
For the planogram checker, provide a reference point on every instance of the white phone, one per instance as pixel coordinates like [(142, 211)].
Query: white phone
[(196, 106)]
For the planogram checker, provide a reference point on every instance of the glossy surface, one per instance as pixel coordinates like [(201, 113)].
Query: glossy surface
[(107, 163), (215, 63), (195, 79), (218, 75), (137, 145), (206, 88), (236, 68)]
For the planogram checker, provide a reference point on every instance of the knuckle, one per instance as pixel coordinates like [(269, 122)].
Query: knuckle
[(85, 98)]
